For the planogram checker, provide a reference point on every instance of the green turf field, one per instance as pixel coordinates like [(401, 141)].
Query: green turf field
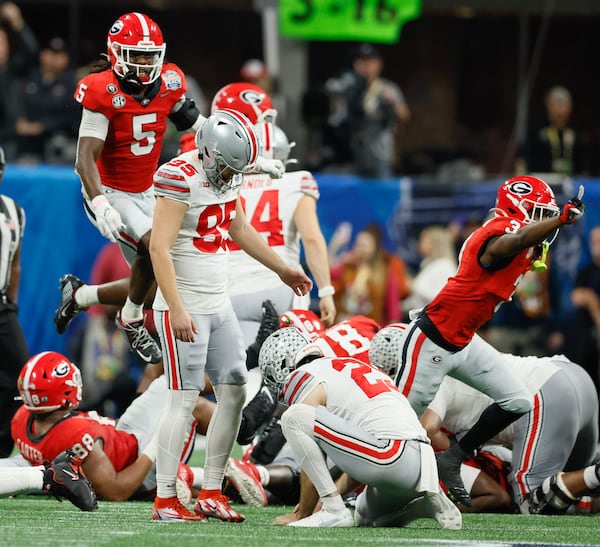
[(38, 520)]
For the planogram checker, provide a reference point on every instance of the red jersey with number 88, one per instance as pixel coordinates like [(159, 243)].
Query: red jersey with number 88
[(77, 431)]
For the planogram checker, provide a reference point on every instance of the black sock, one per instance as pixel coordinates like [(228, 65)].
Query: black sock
[(493, 420)]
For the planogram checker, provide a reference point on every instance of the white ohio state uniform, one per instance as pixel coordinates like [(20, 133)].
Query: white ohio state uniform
[(369, 430), (200, 258), (269, 205), (559, 433)]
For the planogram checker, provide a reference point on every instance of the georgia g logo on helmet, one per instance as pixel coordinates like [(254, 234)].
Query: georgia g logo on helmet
[(251, 97), (521, 188), (62, 369), (116, 27)]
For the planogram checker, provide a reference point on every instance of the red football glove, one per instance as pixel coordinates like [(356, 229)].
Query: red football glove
[(573, 209)]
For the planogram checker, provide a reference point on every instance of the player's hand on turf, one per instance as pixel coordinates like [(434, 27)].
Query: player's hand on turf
[(108, 219), (574, 208)]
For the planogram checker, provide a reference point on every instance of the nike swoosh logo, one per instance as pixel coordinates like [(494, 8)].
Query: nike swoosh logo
[(144, 358), (163, 94), (72, 475)]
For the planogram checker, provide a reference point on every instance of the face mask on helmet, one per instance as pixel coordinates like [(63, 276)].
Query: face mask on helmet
[(49, 381), (527, 199), (384, 352), (136, 48), (227, 145), (276, 358), (249, 99)]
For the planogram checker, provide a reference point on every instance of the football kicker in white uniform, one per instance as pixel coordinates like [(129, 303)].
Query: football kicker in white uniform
[(197, 210)]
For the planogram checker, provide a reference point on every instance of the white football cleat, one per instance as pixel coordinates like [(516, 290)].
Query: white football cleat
[(325, 519)]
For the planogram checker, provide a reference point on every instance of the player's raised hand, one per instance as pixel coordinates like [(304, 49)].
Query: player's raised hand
[(574, 208)]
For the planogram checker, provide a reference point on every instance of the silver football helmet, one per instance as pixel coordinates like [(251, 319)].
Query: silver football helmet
[(228, 145), (274, 143), (384, 352), (276, 359)]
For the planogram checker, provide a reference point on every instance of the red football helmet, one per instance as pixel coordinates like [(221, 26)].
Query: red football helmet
[(304, 320), (526, 199), (133, 35), (49, 381), (249, 99)]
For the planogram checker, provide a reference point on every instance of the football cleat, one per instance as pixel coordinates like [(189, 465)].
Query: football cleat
[(245, 478), (62, 479), (172, 510), (140, 339), (68, 309), (269, 443), (325, 519), (268, 325), (257, 412), (449, 463), (440, 508), (216, 507)]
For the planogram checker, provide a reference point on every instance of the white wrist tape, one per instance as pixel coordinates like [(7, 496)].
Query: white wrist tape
[(326, 291)]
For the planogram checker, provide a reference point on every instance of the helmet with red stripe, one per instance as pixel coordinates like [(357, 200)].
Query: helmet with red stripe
[(227, 145), (49, 381), (527, 199), (249, 99), (136, 49)]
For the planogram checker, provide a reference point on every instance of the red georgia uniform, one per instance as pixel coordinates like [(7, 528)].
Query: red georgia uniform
[(77, 431), (135, 135), (349, 338), (471, 297)]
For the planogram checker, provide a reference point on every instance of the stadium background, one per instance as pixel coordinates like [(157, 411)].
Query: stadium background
[(462, 65)]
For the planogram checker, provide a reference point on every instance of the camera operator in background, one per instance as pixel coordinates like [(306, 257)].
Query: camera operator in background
[(364, 114)]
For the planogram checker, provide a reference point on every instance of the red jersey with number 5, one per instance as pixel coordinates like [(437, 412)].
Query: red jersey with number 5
[(136, 127), (76, 431), (358, 393), (472, 296)]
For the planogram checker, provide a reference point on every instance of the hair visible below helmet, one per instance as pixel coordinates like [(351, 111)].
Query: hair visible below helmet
[(384, 352), (249, 99), (305, 321), (276, 357), (135, 34), (49, 381), (226, 140), (527, 199)]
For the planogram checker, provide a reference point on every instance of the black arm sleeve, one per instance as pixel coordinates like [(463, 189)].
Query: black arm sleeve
[(186, 115)]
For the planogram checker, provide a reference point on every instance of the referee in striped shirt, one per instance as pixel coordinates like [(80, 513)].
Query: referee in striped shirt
[(13, 346)]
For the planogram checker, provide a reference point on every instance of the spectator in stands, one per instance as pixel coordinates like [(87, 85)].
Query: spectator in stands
[(366, 111), (555, 147), (48, 119), (18, 50), (367, 279), (436, 246)]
